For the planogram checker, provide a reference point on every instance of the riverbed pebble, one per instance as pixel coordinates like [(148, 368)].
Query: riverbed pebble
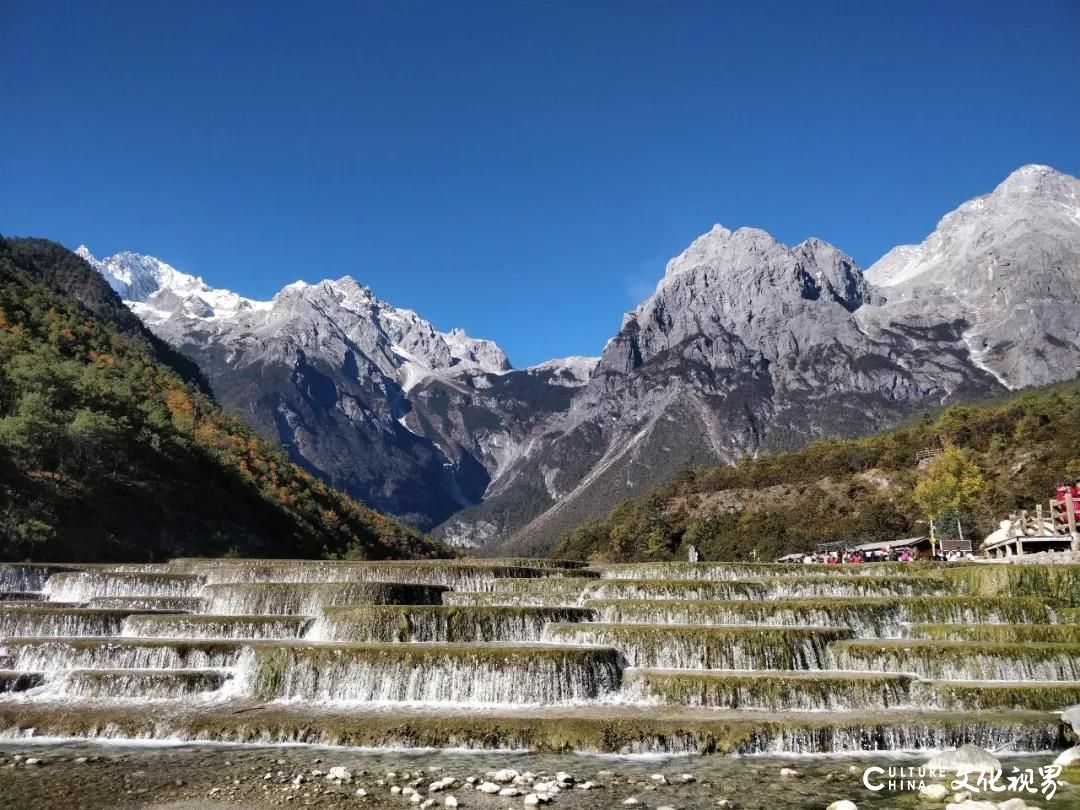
[(843, 804), (450, 801), (789, 773), (933, 792), (339, 773)]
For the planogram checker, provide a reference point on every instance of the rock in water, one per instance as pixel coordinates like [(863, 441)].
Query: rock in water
[(1068, 757), (933, 793), (968, 758), (1071, 716), (843, 804)]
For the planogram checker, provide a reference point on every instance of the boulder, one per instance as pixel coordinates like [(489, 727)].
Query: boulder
[(969, 758), (1068, 757), (1071, 717), (934, 792)]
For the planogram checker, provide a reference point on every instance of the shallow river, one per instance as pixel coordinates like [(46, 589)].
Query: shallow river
[(74, 775)]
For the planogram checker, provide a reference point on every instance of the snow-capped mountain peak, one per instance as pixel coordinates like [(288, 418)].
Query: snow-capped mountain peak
[(175, 303), (1006, 263), (1033, 196), (157, 291)]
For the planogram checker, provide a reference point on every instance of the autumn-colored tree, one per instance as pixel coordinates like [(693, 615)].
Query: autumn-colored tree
[(108, 451), (952, 483)]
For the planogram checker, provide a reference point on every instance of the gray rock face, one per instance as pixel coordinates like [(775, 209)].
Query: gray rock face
[(1006, 263), (370, 397), (745, 345)]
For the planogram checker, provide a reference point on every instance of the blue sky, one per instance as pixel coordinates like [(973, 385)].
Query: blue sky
[(520, 169)]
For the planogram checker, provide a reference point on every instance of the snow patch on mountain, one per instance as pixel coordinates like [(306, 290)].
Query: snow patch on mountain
[(1032, 196), (156, 291), (568, 371), (174, 302)]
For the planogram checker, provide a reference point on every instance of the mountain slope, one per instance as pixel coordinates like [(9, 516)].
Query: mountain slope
[(747, 345), (1005, 262), (832, 490), (106, 452), (370, 397)]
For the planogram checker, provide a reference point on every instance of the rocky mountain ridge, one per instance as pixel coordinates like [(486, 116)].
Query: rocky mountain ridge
[(746, 345), (371, 397)]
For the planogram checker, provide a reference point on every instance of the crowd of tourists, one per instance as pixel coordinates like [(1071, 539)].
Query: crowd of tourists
[(855, 556)]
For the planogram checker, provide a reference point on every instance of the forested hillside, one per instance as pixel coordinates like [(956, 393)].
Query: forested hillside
[(111, 448), (859, 490)]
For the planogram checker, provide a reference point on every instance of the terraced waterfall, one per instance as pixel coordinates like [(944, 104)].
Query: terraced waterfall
[(544, 655)]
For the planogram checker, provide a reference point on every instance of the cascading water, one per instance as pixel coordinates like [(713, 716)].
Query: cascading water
[(433, 673), (34, 621), (213, 626), (462, 577), (83, 586), (771, 691), (696, 647), (741, 658), (179, 604), (143, 684), (56, 655), (400, 623), (554, 599), (867, 618), (962, 661), (25, 577), (308, 598)]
